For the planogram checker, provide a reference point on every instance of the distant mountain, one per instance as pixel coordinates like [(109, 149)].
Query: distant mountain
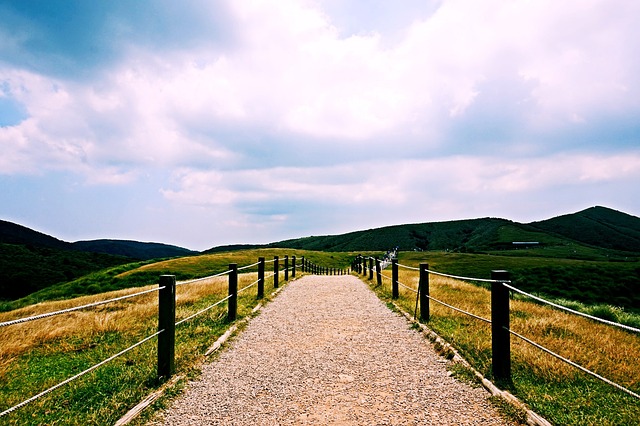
[(31, 260), (597, 226), (12, 233), (133, 249)]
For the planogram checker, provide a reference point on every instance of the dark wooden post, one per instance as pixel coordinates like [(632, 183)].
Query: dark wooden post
[(423, 289), (364, 266), (276, 271), (286, 268), (394, 279), (260, 277), (500, 336), (304, 264), (166, 322), (233, 292), (293, 266), (371, 268), (378, 272)]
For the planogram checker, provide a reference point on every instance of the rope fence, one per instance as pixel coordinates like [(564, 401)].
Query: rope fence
[(196, 280), (77, 308), (166, 316), (564, 308), (77, 376), (578, 366), (500, 287)]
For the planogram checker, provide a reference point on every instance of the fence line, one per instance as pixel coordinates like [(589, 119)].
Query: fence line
[(219, 302), (162, 310), (203, 278), (582, 314), (88, 370), (77, 308), (459, 310), (578, 366), (249, 266), (249, 286), (501, 352)]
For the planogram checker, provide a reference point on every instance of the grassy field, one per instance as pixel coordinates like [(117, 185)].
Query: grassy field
[(557, 391), (39, 354)]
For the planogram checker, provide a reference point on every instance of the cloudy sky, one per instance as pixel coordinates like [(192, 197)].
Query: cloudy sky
[(200, 123)]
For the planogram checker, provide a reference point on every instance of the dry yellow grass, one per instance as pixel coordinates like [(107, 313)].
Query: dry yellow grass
[(126, 316), (603, 349)]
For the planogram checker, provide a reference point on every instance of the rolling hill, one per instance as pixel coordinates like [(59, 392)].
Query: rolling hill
[(597, 232), (31, 260)]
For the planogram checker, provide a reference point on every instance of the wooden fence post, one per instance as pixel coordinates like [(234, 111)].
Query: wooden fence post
[(233, 292), (500, 336), (378, 272), (286, 268), (293, 266), (423, 289), (370, 268), (166, 322), (364, 265), (394, 279), (276, 271), (260, 277)]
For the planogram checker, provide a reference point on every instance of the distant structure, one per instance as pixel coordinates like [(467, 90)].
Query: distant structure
[(391, 254), (525, 243)]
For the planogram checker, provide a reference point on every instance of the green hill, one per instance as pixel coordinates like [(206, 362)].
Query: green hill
[(31, 261), (597, 226), (597, 233)]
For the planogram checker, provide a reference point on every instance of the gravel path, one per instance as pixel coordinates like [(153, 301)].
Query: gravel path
[(327, 351)]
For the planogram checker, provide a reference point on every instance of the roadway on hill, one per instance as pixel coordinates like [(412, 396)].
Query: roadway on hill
[(328, 351)]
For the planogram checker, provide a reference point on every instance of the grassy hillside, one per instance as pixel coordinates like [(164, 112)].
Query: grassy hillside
[(460, 235), (594, 234), (132, 249), (597, 226), (590, 282), (139, 274), (27, 269)]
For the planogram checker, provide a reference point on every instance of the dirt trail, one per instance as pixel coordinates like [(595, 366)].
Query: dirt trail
[(327, 351)]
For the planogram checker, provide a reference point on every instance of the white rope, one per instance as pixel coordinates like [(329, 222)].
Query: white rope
[(579, 367), (408, 267), (466, 278), (249, 286), (407, 287), (77, 308), (204, 310), (88, 370), (564, 308), (204, 278), (386, 276), (248, 266), (459, 310)]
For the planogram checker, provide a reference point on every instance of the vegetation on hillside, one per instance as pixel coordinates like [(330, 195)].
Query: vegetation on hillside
[(26, 269)]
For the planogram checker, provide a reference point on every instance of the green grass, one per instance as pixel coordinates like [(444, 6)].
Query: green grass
[(105, 394), (553, 389)]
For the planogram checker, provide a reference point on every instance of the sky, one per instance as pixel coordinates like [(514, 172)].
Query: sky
[(202, 123)]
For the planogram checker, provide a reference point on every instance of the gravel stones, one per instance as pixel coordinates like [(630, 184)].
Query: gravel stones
[(327, 351)]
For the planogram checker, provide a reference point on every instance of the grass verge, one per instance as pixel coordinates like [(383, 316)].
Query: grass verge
[(39, 354), (553, 389)]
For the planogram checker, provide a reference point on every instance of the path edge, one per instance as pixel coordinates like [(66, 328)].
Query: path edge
[(533, 418), (134, 412)]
